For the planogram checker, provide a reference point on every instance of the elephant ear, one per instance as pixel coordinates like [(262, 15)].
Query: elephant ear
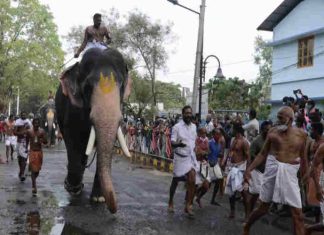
[(70, 84)]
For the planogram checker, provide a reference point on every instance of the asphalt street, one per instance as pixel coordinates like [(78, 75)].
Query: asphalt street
[(142, 200)]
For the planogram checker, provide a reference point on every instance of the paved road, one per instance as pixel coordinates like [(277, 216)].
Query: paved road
[(142, 196)]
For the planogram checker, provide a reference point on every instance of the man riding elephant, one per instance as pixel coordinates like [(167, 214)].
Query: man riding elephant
[(89, 99), (94, 36)]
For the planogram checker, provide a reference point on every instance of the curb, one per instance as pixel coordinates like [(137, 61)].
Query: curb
[(159, 163)]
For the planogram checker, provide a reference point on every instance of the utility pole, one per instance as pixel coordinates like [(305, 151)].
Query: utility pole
[(199, 55), (18, 101), (9, 108)]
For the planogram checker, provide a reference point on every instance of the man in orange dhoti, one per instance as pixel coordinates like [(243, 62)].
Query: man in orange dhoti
[(35, 137)]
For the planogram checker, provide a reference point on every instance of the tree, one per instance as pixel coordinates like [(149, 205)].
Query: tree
[(140, 95), (263, 58), (168, 93), (30, 50), (147, 40), (229, 93)]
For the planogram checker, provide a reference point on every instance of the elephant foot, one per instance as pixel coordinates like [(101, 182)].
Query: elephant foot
[(73, 190), (100, 199), (96, 194)]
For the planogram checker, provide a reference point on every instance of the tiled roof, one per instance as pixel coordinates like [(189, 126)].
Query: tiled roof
[(278, 14)]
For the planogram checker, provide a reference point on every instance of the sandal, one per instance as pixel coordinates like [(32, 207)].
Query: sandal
[(34, 191)]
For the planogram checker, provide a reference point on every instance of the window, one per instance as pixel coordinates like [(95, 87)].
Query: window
[(305, 52)]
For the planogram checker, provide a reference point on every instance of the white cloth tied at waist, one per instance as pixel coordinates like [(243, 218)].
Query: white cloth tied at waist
[(280, 183), (95, 44), (255, 182), (182, 165), (235, 179)]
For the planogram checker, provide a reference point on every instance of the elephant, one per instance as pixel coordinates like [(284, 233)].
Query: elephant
[(89, 99), (49, 121)]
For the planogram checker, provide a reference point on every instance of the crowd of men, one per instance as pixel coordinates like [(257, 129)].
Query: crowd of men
[(268, 165), (25, 137)]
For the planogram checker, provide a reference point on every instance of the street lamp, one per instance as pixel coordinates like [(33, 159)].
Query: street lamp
[(175, 2), (219, 74), (199, 50)]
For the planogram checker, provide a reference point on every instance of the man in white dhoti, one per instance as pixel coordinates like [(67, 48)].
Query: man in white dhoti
[(239, 154), (284, 153), (317, 133), (185, 164), (252, 127), (21, 126), (94, 36), (257, 174)]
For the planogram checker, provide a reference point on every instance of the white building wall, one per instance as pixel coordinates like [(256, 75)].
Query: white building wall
[(306, 16), (287, 76)]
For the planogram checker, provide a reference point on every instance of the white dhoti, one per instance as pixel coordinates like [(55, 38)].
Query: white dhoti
[(22, 150), (215, 172), (202, 173), (206, 172), (255, 182), (11, 141), (99, 45), (182, 165), (280, 183), (235, 178)]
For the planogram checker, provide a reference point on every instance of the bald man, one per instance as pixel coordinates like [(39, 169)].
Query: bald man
[(283, 151)]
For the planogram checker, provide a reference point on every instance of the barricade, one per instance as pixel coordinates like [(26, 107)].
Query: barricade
[(149, 160)]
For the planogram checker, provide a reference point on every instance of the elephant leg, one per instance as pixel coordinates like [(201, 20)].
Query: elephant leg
[(53, 137), (96, 194), (76, 166)]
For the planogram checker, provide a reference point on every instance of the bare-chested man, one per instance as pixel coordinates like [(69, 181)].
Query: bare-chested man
[(21, 126), (317, 134), (11, 139), (284, 152), (257, 174), (94, 36), (35, 138), (240, 156)]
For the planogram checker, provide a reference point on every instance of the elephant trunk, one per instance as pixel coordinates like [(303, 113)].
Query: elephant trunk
[(106, 115), (50, 120)]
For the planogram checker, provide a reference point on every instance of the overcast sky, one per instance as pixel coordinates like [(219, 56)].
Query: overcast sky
[(230, 30)]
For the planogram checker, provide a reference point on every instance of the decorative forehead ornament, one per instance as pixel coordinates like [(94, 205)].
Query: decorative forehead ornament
[(108, 83)]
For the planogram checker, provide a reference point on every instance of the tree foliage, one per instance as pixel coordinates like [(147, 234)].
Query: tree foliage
[(140, 101), (231, 93), (234, 93), (263, 58), (30, 51)]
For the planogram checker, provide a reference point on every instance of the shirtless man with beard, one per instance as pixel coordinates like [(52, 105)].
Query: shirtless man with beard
[(284, 152)]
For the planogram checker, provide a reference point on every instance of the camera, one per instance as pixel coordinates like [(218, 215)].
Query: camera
[(297, 91)]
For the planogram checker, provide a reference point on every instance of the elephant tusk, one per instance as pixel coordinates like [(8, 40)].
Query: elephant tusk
[(91, 141), (122, 142)]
